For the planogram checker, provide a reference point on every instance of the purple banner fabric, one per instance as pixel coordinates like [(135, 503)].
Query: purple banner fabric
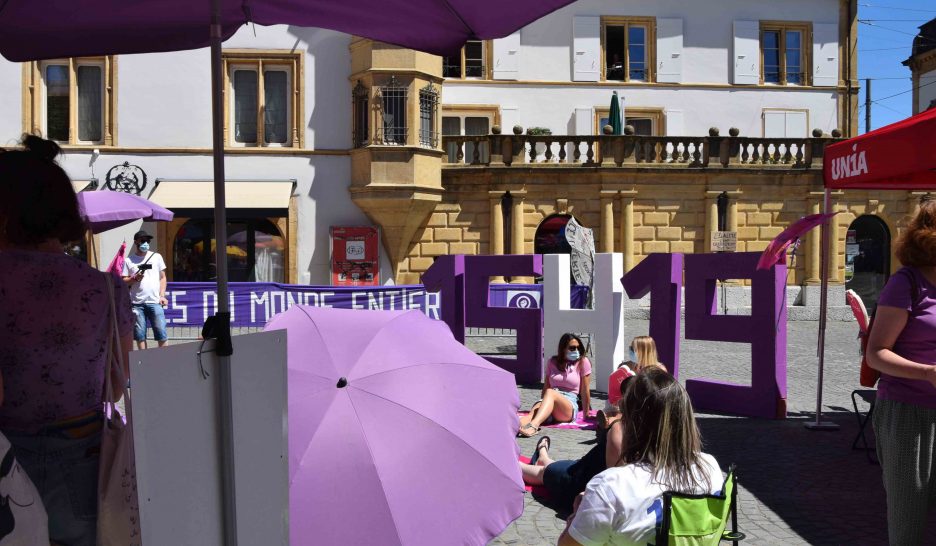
[(253, 304), (765, 329)]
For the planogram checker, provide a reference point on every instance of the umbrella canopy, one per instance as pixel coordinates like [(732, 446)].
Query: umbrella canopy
[(104, 210), (398, 434), (775, 251), (895, 157), (32, 30), (614, 115)]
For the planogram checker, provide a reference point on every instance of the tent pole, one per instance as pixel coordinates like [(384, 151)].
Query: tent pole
[(819, 424), (223, 317)]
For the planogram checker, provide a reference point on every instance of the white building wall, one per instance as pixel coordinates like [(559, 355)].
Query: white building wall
[(705, 96), (927, 90)]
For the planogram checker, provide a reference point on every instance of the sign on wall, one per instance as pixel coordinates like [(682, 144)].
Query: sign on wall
[(724, 241), (355, 259)]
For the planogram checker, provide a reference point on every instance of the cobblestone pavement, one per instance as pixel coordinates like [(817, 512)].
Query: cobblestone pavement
[(796, 486)]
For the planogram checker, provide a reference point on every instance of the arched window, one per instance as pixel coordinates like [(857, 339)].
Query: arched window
[(255, 251), (550, 235), (867, 258)]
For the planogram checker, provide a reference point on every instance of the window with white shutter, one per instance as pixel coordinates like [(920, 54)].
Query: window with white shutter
[(669, 50), (586, 48), (825, 55), (746, 52), (507, 57)]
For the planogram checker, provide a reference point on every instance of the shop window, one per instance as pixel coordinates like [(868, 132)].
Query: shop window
[(72, 100), (867, 258), (255, 251)]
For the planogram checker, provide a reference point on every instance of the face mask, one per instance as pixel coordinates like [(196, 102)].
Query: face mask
[(572, 356), (144, 247), (632, 355)]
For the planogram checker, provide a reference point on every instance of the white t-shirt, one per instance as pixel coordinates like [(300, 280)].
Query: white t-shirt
[(147, 290), (622, 506)]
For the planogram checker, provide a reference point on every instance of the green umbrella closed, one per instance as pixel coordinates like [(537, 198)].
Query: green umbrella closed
[(614, 117)]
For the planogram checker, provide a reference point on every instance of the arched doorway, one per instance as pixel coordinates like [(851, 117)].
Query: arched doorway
[(255, 251), (867, 258), (550, 235)]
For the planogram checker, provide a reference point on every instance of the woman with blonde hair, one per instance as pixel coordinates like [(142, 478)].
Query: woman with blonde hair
[(661, 451), (642, 354), (902, 346)]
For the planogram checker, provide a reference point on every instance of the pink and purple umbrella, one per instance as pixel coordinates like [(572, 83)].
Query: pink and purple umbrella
[(104, 210), (398, 434), (776, 250)]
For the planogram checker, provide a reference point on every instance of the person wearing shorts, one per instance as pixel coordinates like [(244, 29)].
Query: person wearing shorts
[(565, 388), (144, 272)]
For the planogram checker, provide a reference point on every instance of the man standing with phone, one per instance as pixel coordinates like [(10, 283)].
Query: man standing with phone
[(144, 272)]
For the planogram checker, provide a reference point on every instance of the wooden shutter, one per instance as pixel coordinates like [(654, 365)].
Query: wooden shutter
[(825, 61), (507, 57), (586, 48), (746, 52), (669, 50)]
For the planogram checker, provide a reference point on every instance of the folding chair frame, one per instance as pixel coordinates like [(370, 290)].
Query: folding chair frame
[(863, 421), (733, 535)]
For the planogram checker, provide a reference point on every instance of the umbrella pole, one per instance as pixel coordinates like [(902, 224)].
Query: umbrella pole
[(223, 317), (819, 424)]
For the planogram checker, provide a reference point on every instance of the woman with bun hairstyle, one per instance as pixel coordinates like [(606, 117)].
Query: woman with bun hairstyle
[(902, 346), (55, 323), (565, 387)]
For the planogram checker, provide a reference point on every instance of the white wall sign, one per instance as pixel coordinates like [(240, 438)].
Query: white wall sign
[(724, 241), (178, 455)]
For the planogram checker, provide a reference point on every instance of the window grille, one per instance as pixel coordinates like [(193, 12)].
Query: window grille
[(428, 112), (393, 113), (360, 101)]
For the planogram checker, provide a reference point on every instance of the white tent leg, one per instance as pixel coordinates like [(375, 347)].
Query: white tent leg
[(223, 344), (819, 424)]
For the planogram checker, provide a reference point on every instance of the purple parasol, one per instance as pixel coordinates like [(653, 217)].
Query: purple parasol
[(398, 434), (32, 30), (104, 210), (775, 251)]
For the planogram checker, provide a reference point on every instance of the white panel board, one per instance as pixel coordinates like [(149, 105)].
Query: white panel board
[(669, 50), (774, 124), (586, 48), (507, 57), (584, 121), (604, 322), (795, 125), (825, 54), (746, 52), (510, 116), (674, 123), (177, 447)]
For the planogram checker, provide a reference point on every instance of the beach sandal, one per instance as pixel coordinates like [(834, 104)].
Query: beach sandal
[(528, 431), (543, 443)]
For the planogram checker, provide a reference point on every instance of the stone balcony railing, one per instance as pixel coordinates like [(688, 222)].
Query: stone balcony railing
[(636, 151)]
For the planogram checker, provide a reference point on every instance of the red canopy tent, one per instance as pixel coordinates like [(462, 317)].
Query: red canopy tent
[(900, 156)]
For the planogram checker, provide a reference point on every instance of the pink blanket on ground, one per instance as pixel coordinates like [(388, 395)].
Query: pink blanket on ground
[(538, 490), (581, 422)]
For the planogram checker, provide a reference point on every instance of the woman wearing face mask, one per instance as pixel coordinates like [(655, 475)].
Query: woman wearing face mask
[(565, 387)]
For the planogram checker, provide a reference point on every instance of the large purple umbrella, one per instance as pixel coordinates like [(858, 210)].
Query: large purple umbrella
[(104, 210), (398, 434)]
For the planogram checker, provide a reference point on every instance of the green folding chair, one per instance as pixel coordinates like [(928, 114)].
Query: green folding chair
[(700, 520)]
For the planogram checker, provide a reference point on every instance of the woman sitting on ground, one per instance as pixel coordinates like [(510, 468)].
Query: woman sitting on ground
[(662, 452), (565, 479), (642, 354), (565, 387)]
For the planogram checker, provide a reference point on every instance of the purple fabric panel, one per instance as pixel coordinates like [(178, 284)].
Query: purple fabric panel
[(661, 276), (32, 30), (916, 341), (447, 277), (528, 322), (764, 330)]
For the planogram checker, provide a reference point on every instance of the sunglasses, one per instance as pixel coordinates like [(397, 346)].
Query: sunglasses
[(573, 347)]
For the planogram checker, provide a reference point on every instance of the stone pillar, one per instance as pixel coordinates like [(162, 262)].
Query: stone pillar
[(496, 241), (627, 228), (517, 234), (711, 218), (607, 221), (813, 244)]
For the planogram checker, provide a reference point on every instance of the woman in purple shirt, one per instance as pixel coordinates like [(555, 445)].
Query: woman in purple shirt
[(54, 327), (565, 388), (902, 346)]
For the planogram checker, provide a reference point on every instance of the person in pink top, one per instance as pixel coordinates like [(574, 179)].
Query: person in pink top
[(54, 327), (902, 346), (565, 388)]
